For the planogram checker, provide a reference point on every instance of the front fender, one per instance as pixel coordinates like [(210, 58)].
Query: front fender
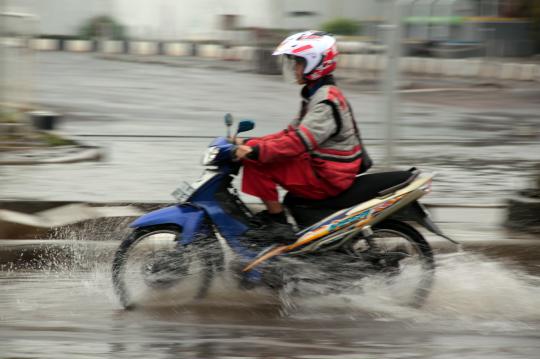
[(189, 218)]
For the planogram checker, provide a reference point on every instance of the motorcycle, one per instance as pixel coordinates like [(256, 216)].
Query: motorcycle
[(364, 231)]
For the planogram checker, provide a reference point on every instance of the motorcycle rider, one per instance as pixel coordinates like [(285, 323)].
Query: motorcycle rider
[(319, 154)]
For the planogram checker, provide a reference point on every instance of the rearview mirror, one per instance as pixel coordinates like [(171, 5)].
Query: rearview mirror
[(228, 120), (245, 125)]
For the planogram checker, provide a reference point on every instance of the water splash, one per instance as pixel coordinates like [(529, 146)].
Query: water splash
[(469, 289), (474, 285)]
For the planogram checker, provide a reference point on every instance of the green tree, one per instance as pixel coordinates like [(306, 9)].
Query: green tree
[(342, 26), (102, 26)]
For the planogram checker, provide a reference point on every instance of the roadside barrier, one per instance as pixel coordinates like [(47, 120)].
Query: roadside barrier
[(45, 44), (177, 49), (366, 61), (210, 51), (489, 70), (529, 72), (79, 45), (112, 47), (143, 48)]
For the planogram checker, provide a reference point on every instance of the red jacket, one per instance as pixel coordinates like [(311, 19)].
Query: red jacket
[(333, 143)]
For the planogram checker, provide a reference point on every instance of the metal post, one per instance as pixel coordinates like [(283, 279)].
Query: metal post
[(392, 36), (32, 63), (3, 55)]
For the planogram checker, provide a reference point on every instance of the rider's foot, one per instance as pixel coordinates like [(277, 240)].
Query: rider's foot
[(265, 217), (272, 227)]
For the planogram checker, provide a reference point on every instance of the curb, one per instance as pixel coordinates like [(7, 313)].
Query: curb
[(460, 68), (28, 219), (78, 152), (234, 64), (18, 223), (40, 219), (87, 153), (468, 67)]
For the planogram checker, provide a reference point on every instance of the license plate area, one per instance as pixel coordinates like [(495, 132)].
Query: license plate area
[(186, 190), (183, 192)]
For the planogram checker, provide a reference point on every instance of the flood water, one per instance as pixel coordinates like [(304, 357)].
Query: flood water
[(56, 296), (59, 303)]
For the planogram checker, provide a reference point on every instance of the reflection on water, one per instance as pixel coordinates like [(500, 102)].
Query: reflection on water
[(67, 309)]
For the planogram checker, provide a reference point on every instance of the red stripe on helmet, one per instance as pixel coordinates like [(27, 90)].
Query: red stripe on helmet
[(303, 48)]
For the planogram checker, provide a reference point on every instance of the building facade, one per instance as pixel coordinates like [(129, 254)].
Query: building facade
[(475, 21)]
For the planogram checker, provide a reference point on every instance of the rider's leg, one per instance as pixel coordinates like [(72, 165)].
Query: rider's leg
[(273, 207), (275, 212), (296, 175)]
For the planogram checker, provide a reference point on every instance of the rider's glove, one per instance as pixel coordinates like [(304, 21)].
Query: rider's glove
[(254, 154)]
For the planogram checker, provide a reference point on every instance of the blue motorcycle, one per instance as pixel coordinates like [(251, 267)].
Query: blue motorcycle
[(363, 231)]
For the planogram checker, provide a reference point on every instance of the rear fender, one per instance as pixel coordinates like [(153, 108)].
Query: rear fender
[(189, 218), (416, 212)]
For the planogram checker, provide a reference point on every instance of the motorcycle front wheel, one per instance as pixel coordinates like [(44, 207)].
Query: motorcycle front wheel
[(152, 267)]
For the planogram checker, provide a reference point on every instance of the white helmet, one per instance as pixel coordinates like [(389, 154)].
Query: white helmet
[(317, 48)]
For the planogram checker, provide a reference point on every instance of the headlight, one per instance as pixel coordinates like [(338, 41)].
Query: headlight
[(210, 155)]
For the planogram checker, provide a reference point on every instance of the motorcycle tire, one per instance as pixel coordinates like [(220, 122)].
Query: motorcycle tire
[(424, 252), (205, 250)]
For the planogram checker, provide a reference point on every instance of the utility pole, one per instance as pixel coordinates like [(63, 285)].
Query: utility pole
[(392, 38)]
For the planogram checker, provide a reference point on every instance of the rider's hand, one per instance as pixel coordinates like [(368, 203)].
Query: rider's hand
[(242, 151), (236, 141)]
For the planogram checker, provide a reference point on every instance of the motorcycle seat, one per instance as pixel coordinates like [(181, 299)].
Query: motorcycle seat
[(364, 188)]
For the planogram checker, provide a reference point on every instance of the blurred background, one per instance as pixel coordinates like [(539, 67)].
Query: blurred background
[(455, 74), (108, 103)]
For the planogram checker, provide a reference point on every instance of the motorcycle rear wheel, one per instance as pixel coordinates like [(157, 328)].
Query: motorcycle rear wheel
[(393, 240), (150, 262)]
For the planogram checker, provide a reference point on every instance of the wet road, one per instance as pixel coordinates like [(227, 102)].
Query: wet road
[(60, 304), (135, 111)]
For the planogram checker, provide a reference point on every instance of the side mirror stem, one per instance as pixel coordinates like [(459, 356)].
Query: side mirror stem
[(228, 122)]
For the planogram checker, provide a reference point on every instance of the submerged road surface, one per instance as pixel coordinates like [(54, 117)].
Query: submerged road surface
[(56, 297), (57, 301)]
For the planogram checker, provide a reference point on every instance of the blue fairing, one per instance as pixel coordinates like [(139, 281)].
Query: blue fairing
[(189, 218), (219, 141), (209, 207), (225, 150), (205, 198)]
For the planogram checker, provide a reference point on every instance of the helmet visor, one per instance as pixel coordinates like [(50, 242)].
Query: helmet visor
[(288, 65)]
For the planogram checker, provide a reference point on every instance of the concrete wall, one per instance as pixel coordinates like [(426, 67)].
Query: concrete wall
[(59, 17), (287, 13), (171, 19), (168, 19), (202, 19), (188, 19)]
